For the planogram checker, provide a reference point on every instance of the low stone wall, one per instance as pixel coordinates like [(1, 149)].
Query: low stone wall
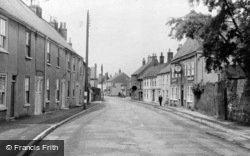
[(238, 96), (206, 101), (226, 99)]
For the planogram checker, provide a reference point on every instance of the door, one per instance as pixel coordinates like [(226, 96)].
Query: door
[(38, 95), (13, 95), (153, 99), (77, 94), (63, 92)]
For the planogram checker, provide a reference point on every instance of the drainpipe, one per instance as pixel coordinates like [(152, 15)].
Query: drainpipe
[(45, 73)]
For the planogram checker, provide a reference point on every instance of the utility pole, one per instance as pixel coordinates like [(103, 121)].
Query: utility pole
[(102, 93), (87, 68)]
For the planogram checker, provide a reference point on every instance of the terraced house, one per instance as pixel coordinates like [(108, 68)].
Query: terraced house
[(151, 85), (39, 70), (187, 69), (137, 79)]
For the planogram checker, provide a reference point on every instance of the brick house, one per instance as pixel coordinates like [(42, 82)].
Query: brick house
[(114, 84), (39, 70), (188, 68)]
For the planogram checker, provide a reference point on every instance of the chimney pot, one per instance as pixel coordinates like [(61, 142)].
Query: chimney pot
[(161, 58)]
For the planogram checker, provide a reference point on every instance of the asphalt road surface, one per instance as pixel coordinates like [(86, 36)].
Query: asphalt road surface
[(120, 127)]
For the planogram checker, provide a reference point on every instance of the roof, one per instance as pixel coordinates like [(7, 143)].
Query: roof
[(119, 78), (125, 82), (234, 72), (152, 71), (142, 68), (190, 46), (165, 70), (21, 12)]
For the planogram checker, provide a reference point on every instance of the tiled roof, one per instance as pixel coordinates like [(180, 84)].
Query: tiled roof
[(142, 68), (22, 13), (119, 78), (152, 71), (165, 70), (190, 46)]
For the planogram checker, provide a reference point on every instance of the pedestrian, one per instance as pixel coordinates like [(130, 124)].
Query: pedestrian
[(160, 99)]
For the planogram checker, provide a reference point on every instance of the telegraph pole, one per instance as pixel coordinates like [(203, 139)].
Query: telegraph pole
[(87, 68), (102, 94)]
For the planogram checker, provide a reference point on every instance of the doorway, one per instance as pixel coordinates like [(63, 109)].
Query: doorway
[(38, 95), (13, 95), (63, 92)]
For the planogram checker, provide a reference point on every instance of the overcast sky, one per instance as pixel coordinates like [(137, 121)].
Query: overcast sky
[(122, 32)]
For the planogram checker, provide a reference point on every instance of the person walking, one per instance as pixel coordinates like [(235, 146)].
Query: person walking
[(160, 99)]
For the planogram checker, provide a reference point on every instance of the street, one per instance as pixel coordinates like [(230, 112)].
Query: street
[(122, 127)]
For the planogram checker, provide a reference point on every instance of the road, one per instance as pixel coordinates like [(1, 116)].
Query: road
[(120, 127)]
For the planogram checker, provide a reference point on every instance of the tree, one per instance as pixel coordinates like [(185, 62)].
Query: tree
[(225, 36)]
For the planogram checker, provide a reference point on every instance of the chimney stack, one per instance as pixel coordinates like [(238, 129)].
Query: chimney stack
[(37, 9), (70, 43), (170, 55), (143, 61), (63, 30), (53, 23), (179, 47), (161, 58), (120, 71), (154, 57)]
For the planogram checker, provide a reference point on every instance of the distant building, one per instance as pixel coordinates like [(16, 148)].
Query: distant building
[(126, 88), (114, 84), (93, 76)]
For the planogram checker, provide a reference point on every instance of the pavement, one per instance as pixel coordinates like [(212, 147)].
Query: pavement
[(37, 127), (124, 128), (236, 132)]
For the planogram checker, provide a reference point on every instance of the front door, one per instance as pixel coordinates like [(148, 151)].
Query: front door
[(63, 96), (38, 95), (13, 94)]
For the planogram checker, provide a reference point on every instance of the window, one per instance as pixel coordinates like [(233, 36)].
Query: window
[(188, 69), (3, 89), (185, 69), (192, 68), (57, 90), (189, 94), (2, 33), (48, 52), (68, 60), (58, 57), (27, 89), (74, 89), (48, 91), (185, 93), (74, 64), (176, 93), (172, 72), (68, 88), (28, 36), (80, 66)]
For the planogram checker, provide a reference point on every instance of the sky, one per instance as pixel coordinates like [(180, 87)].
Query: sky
[(122, 32)]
